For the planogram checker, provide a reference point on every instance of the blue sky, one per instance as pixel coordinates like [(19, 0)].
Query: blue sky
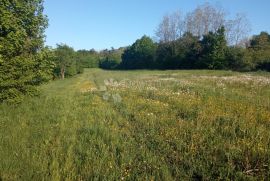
[(100, 24)]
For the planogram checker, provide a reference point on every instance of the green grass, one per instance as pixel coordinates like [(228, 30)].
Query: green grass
[(140, 125)]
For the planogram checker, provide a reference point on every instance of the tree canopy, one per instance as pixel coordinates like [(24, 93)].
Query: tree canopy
[(213, 50), (139, 55), (23, 61)]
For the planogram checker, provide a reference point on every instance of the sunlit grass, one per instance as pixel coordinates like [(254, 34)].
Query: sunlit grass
[(150, 125)]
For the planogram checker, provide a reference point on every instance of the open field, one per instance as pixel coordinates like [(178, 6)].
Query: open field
[(140, 125)]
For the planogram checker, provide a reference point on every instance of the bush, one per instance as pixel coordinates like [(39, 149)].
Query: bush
[(109, 64)]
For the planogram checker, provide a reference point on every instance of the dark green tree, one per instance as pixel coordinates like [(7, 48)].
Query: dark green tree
[(23, 62), (140, 55), (66, 61), (239, 59), (165, 57), (261, 41), (188, 51), (88, 58), (179, 54), (213, 53), (191, 48), (111, 59), (260, 50)]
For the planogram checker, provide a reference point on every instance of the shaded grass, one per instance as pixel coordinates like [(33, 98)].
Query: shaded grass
[(169, 125)]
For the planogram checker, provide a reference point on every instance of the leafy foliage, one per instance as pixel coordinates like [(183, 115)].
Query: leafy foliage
[(111, 59), (68, 64), (191, 52), (260, 47), (23, 62), (140, 55), (182, 53), (239, 59), (213, 50), (88, 59)]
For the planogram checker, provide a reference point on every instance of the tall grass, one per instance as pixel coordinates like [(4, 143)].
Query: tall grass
[(140, 125)]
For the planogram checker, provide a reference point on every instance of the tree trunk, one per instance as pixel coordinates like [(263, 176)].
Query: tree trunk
[(62, 73)]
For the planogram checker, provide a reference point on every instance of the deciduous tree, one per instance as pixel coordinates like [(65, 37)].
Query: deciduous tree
[(204, 19), (140, 55), (237, 30), (22, 25)]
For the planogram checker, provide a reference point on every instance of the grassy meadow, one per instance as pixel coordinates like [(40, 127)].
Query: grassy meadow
[(140, 125)]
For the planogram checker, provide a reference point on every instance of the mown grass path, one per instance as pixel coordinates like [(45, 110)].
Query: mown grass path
[(140, 125)]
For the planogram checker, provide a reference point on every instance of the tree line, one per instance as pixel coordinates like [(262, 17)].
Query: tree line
[(192, 52), (202, 39)]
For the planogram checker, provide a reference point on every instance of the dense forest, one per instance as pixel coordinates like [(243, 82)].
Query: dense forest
[(202, 39)]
